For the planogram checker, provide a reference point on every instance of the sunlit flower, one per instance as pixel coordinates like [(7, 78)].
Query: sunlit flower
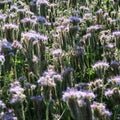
[(3, 17), (17, 98), (46, 81), (116, 33), (84, 8), (87, 16), (94, 28), (100, 65), (16, 44), (100, 110), (28, 20), (95, 85), (10, 26), (39, 2), (109, 92), (115, 80), (32, 35), (75, 94), (57, 52)]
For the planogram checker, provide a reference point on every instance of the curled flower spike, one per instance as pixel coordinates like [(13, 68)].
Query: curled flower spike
[(100, 65), (116, 33), (10, 26), (40, 2), (100, 68), (57, 52), (115, 80), (17, 92), (100, 111), (94, 28), (79, 103)]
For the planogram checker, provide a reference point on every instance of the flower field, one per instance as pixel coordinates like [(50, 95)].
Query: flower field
[(59, 60)]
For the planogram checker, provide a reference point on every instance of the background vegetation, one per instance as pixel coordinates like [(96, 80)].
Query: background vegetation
[(59, 60)]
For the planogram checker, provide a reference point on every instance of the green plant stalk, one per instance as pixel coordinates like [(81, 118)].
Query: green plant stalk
[(23, 114), (47, 110)]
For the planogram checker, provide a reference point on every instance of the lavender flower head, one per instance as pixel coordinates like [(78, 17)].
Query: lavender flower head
[(49, 78), (16, 45), (100, 65), (17, 92), (100, 111), (78, 103), (5, 46), (10, 26), (75, 20), (45, 2), (3, 17), (109, 92), (115, 80), (57, 52), (94, 28), (87, 16), (113, 95), (100, 68), (28, 20), (37, 98), (41, 19), (9, 115), (116, 33), (32, 35), (75, 94), (46, 81)]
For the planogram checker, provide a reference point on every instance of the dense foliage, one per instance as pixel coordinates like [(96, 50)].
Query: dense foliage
[(59, 60)]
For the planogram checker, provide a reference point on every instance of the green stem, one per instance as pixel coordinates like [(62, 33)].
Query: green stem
[(47, 111), (23, 114)]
